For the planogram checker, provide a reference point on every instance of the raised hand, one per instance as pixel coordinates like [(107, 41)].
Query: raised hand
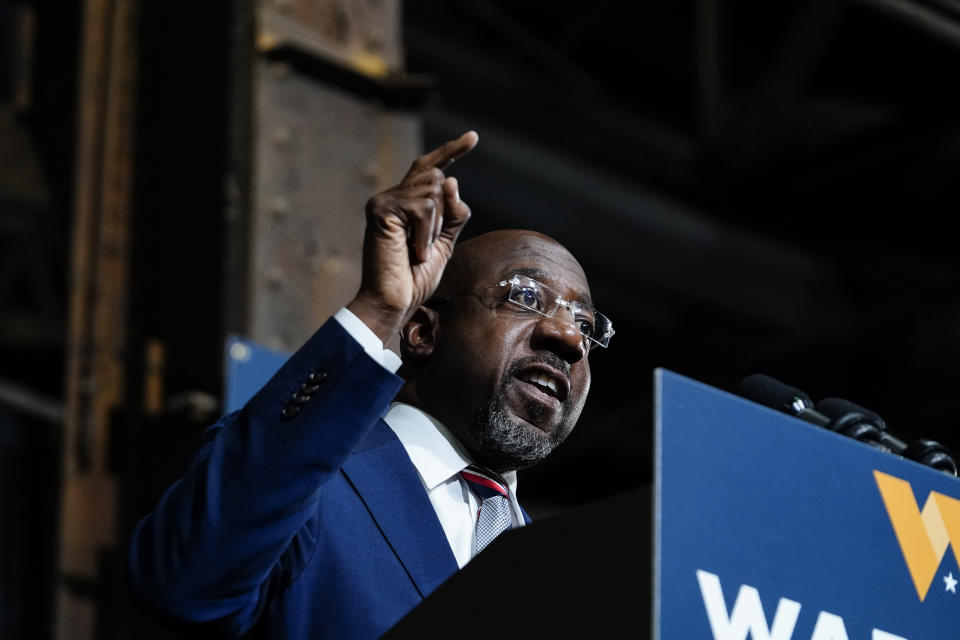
[(410, 234)]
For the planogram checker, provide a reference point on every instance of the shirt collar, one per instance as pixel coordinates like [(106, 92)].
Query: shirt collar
[(433, 450)]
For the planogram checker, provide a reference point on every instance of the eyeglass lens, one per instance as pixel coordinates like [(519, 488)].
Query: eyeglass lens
[(536, 296)]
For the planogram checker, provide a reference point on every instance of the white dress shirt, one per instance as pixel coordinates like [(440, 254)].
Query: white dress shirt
[(435, 452)]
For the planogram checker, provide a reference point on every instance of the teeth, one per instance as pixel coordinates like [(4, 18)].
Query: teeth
[(548, 382), (543, 380)]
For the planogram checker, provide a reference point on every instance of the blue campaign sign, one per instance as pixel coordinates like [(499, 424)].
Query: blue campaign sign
[(248, 366), (773, 529)]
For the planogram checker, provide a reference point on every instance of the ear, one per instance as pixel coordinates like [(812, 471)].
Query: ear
[(419, 335)]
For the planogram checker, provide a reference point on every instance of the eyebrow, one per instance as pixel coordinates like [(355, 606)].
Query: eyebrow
[(536, 273)]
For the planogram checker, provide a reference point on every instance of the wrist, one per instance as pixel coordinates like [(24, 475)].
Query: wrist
[(384, 320)]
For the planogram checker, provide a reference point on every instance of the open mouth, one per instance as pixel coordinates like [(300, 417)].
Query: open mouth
[(546, 381)]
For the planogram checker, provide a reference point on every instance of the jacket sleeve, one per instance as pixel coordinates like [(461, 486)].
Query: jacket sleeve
[(207, 551)]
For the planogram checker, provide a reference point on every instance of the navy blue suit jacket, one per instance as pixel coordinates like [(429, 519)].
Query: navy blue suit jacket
[(315, 526)]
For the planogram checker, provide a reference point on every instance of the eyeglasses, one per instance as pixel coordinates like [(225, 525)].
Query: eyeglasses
[(535, 296)]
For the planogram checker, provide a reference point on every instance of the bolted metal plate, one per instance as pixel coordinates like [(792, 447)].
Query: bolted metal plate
[(319, 154)]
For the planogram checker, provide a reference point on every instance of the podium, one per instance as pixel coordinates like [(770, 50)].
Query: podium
[(758, 526)]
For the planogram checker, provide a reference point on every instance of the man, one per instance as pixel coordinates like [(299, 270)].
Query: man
[(307, 516)]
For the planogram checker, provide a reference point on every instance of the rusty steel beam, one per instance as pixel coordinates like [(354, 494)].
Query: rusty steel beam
[(363, 35), (96, 371), (320, 149), (239, 168)]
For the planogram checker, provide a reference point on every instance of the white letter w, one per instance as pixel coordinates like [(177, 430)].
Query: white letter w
[(747, 614)]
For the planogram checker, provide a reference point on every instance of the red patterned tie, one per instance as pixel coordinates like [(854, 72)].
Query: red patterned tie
[(495, 515)]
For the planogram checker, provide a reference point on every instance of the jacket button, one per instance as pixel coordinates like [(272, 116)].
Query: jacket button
[(309, 388), (300, 398), (317, 376), (290, 411)]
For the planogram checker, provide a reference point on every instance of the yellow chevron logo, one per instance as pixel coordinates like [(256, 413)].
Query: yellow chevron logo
[(924, 536)]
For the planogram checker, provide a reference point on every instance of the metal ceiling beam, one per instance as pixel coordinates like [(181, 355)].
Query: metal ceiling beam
[(597, 127), (539, 51), (762, 114), (709, 78), (930, 21), (31, 403), (631, 231)]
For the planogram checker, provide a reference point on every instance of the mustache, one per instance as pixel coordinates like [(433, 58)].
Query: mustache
[(548, 358)]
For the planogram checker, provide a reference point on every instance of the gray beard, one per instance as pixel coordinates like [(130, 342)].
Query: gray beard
[(501, 444)]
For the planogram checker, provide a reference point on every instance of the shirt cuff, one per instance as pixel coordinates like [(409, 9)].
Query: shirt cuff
[(367, 339)]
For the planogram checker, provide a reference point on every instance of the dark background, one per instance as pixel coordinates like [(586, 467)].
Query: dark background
[(750, 187), (780, 203)]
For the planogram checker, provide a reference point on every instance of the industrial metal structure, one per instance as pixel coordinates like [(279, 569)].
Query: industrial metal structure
[(750, 187)]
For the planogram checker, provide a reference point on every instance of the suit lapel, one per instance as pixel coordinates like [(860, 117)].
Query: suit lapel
[(387, 482)]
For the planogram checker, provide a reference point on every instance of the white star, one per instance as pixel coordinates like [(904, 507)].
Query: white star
[(951, 582)]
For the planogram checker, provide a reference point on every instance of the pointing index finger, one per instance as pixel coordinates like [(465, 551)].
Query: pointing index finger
[(445, 154)]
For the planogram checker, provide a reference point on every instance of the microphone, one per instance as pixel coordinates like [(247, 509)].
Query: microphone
[(835, 414), (858, 423), (866, 426), (772, 393), (846, 418), (933, 454)]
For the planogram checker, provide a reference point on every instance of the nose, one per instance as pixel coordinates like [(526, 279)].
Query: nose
[(559, 333)]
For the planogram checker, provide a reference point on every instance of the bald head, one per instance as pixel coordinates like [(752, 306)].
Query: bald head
[(479, 261)]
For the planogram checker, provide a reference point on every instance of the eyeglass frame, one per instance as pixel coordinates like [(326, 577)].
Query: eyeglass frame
[(558, 302)]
